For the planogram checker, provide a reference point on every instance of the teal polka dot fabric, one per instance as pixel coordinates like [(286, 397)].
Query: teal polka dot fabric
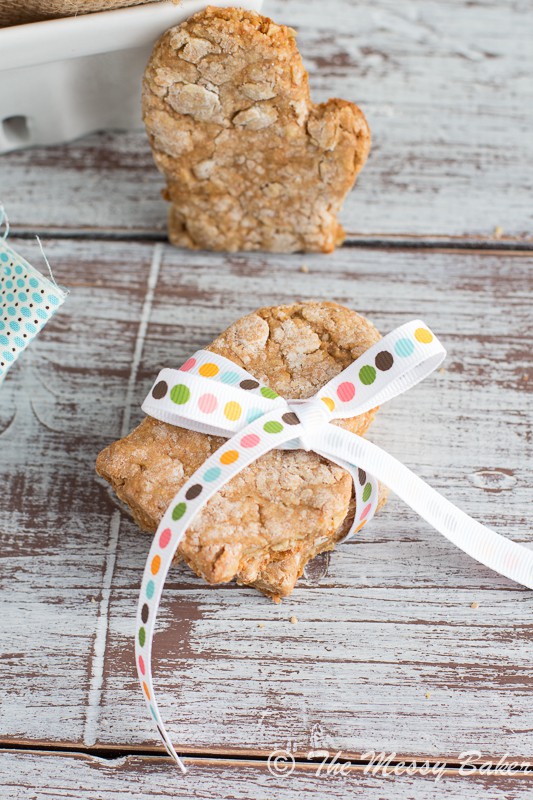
[(27, 301)]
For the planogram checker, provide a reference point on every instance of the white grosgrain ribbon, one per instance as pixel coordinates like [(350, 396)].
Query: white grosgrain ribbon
[(212, 395)]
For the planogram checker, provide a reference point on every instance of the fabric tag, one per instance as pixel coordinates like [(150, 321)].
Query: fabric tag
[(27, 301)]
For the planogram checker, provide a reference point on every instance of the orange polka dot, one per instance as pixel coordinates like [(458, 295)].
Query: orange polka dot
[(423, 335), (362, 525), (146, 690), (232, 410), (329, 402), (229, 457), (156, 563), (208, 370)]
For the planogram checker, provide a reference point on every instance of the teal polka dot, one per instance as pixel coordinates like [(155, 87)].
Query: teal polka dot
[(53, 300), (367, 375), (4, 257), (20, 342), (9, 284), (20, 283), (36, 297), (30, 327), (12, 311), (154, 715), (34, 282), (2, 325), (404, 348), (18, 269), (22, 297), (3, 339), (7, 356), (212, 474), (229, 377), (253, 414), (41, 313), (25, 312), (10, 297), (14, 326), (150, 589)]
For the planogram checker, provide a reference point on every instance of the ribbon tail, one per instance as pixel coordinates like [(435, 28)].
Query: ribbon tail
[(513, 560), (260, 436)]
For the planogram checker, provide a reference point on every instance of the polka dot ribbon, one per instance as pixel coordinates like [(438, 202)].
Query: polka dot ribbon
[(28, 300), (210, 394)]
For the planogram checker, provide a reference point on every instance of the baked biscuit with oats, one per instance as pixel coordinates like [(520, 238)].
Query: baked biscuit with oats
[(250, 162), (264, 525)]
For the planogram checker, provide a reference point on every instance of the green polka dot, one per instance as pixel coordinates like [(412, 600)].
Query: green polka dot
[(180, 394), (367, 375), (179, 511), (367, 491), (273, 426), (266, 391), (142, 636)]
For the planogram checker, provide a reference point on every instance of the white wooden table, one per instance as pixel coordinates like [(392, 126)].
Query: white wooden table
[(388, 654)]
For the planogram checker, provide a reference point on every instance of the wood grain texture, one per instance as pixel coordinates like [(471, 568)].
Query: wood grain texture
[(35, 776), (382, 622), (446, 88)]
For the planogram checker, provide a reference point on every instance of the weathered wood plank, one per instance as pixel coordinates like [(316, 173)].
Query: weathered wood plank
[(41, 775), (447, 91), (384, 621), (51, 511)]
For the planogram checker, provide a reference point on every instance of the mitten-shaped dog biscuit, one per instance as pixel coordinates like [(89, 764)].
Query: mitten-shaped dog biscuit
[(283, 509), (250, 162)]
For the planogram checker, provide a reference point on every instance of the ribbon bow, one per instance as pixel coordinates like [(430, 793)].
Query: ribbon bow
[(212, 395)]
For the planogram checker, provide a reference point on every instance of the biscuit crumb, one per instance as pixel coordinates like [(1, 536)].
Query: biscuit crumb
[(525, 377), (261, 625), (293, 620), (304, 268), (428, 695), (474, 605), (498, 232)]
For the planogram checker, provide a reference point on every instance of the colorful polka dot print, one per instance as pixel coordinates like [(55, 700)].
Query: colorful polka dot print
[(381, 369), (211, 394), (27, 301)]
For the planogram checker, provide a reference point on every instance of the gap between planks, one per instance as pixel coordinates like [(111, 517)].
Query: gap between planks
[(377, 240), (98, 655), (115, 752), (121, 754)]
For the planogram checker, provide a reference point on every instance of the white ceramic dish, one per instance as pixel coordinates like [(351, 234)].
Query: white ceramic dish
[(63, 78)]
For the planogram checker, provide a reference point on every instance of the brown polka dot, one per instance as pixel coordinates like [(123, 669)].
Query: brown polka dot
[(144, 613), (193, 492), (362, 476), (248, 384), (290, 418), (384, 360), (160, 390)]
